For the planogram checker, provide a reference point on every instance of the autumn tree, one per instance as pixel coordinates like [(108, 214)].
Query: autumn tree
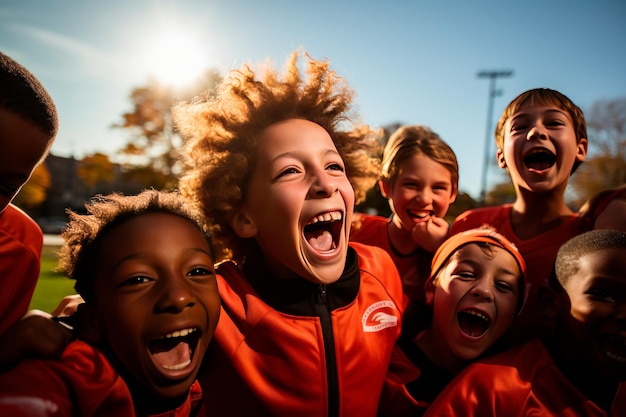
[(33, 193), (95, 169), (152, 151), (605, 165)]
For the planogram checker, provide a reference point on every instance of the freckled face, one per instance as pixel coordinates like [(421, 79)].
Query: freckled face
[(540, 148), (300, 202), (22, 146), (475, 299), (422, 189), (597, 319), (156, 301)]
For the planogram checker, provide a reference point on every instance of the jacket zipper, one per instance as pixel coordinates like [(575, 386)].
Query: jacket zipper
[(329, 351)]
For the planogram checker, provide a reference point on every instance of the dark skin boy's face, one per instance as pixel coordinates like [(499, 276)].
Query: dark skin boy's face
[(156, 301), (21, 146), (597, 318)]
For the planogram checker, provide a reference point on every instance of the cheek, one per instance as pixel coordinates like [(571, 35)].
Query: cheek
[(507, 308)]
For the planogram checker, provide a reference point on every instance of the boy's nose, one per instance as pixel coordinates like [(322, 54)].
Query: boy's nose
[(536, 132), (481, 290), (174, 297), (323, 186)]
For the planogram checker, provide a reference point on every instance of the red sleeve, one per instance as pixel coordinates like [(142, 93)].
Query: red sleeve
[(21, 241), (81, 383)]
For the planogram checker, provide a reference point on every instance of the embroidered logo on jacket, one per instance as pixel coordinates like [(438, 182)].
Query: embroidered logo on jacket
[(379, 316)]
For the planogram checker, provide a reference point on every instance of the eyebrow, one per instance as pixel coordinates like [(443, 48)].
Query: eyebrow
[(528, 113), (142, 255)]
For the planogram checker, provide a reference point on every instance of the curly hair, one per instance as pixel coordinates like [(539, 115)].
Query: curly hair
[(567, 262), (221, 134), (407, 141), (84, 233), (544, 96)]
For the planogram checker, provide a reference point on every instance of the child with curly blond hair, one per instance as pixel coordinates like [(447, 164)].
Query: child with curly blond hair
[(308, 320)]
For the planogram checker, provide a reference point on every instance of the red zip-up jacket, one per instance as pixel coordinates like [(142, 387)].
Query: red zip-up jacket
[(295, 348)]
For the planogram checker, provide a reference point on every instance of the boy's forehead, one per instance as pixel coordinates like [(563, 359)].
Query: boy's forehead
[(606, 265), (537, 109)]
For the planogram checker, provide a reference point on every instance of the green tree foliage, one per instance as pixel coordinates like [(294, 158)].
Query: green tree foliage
[(154, 143), (605, 165), (33, 193)]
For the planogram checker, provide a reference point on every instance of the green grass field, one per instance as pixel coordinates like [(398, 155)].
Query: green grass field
[(52, 286)]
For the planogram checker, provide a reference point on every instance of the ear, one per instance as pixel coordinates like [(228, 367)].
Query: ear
[(453, 196), (385, 189), (582, 149), (429, 292), (243, 225), (88, 325), (500, 158)]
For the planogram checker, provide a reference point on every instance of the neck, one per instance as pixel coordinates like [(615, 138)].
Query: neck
[(400, 240), (598, 388), (534, 214), (437, 350)]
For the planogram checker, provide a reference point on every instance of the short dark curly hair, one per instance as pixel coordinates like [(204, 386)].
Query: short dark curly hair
[(21, 93), (221, 134), (568, 257), (84, 233)]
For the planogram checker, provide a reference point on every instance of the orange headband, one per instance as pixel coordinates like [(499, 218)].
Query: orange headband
[(454, 242)]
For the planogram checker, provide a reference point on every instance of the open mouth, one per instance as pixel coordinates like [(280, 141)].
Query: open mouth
[(175, 350), (473, 323), (615, 348), (539, 159), (419, 214), (324, 231)]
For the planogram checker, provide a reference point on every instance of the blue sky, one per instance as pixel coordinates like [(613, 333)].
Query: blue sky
[(412, 62)]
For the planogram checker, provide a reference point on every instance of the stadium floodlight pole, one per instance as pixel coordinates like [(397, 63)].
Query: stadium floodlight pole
[(492, 75)]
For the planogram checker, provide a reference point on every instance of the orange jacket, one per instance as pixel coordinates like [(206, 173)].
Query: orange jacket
[(523, 381), (295, 348), (81, 383), (21, 241)]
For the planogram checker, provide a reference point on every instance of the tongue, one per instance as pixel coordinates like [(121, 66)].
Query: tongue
[(539, 165), (471, 325), (171, 354), (321, 240)]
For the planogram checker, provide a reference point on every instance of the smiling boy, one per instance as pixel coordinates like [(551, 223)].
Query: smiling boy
[(308, 322), (541, 140), (144, 267), (580, 369), (476, 289)]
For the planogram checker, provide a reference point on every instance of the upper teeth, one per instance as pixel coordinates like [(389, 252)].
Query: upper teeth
[(326, 217), (179, 333), (474, 313)]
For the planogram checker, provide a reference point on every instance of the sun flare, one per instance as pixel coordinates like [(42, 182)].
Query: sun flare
[(175, 58)]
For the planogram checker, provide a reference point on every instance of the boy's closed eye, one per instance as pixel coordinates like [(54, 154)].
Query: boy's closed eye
[(464, 275), (602, 295), (505, 286)]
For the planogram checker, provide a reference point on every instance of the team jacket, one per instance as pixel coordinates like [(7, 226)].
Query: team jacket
[(295, 348), (81, 383), (539, 253), (21, 241), (414, 268), (523, 381)]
